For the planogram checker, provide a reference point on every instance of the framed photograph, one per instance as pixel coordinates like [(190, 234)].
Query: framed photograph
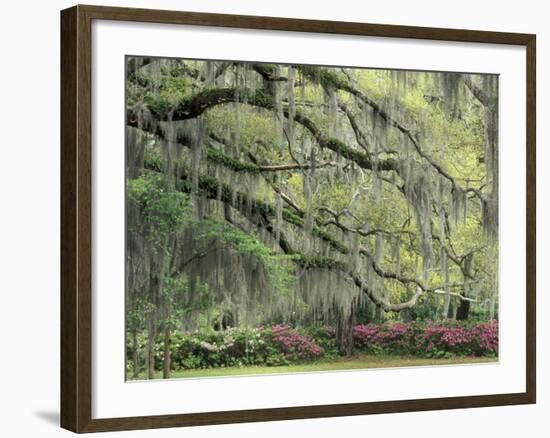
[(270, 218)]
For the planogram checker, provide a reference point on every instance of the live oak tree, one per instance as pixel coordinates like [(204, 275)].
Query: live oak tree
[(262, 193)]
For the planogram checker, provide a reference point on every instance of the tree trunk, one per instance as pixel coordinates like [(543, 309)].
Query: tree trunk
[(452, 308), (135, 355), (446, 306), (463, 310), (167, 354), (492, 304), (464, 305), (151, 351), (344, 331)]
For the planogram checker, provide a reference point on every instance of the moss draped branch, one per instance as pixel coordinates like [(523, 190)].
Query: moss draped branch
[(331, 80), (296, 217), (196, 105), (261, 213)]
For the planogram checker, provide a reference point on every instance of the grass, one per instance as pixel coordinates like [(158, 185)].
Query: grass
[(352, 363)]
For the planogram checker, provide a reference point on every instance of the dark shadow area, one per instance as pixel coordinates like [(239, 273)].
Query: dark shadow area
[(51, 417)]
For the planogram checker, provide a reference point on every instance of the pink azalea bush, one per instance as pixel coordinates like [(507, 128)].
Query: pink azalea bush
[(396, 338), (295, 345), (431, 339)]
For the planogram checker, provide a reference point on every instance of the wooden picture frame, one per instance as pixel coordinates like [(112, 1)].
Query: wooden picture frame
[(76, 218)]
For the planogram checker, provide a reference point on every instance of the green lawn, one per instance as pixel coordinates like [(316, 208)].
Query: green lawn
[(353, 363)]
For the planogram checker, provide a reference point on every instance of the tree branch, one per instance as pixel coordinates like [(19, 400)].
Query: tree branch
[(331, 80), (202, 101)]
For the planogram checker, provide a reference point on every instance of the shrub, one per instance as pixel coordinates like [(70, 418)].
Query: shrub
[(270, 345), (295, 346), (324, 337), (429, 339), (282, 344), (398, 338)]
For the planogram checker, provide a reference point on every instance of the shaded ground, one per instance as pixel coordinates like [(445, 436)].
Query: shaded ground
[(353, 363)]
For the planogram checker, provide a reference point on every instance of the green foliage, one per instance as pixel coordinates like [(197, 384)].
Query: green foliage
[(138, 313), (337, 182), (161, 211), (217, 157), (280, 272)]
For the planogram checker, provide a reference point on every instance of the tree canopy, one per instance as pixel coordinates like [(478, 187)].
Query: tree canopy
[(296, 193)]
